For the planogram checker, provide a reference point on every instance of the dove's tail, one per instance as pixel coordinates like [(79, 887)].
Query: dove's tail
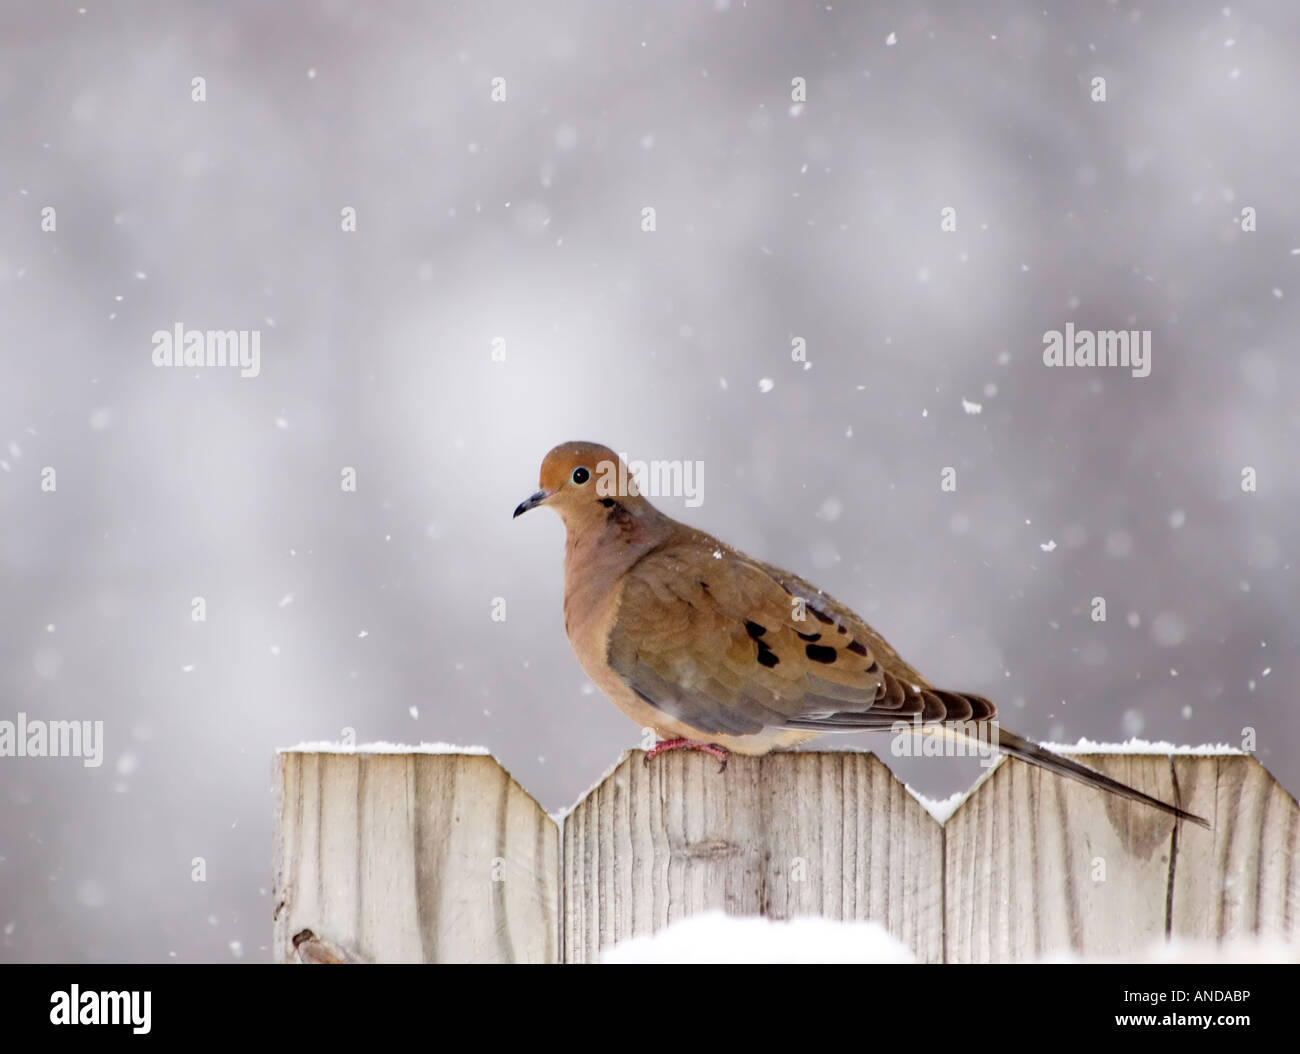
[(1018, 747), (960, 716)]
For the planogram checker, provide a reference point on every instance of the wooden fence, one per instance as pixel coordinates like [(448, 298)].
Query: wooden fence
[(420, 857)]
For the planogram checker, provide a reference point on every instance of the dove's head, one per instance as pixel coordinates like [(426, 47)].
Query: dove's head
[(583, 481)]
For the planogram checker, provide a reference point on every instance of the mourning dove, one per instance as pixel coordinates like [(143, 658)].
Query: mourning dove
[(717, 651)]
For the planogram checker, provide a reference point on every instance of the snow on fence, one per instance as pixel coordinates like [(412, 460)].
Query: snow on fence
[(433, 857)]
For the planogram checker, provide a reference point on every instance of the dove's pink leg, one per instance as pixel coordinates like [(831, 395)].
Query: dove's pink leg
[(665, 745)]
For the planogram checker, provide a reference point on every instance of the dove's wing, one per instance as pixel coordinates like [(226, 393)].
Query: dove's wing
[(731, 646)]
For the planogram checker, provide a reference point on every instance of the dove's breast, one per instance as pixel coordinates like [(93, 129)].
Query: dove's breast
[(593, 588), (591, 612)]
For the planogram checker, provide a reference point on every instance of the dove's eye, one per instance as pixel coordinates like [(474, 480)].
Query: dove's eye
[(580, 475)]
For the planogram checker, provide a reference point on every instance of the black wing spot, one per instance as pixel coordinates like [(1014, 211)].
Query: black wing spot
[(754, 629), (873, 667), (824, 619), (857, 648), (766, 656), (820, 653), (814, 637)]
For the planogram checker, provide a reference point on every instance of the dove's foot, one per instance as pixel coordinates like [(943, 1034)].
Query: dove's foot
[(665, 745)]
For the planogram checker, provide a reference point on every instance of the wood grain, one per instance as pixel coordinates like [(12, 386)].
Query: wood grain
[(413, 858), (829, 834), (1038, 865), (1243, 875)]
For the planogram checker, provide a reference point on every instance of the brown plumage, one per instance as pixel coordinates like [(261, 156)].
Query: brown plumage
[(706, 645)]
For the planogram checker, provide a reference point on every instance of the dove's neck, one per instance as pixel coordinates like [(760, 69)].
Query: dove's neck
[(601, 544)]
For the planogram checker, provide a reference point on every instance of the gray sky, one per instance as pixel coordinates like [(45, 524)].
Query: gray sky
[(521, 220)]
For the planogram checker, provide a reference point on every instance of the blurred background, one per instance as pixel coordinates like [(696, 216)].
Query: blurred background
[(517, 224)]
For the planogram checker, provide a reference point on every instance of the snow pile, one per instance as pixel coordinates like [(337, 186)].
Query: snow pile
[(717, 938), (1140, 746), (940, 808)]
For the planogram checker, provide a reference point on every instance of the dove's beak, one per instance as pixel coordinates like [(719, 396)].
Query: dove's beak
[(532, 503)]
